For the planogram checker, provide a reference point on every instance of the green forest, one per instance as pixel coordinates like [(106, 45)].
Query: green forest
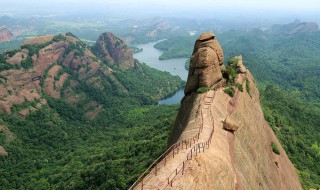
[(51, 150), (58, 147), (287, 70)]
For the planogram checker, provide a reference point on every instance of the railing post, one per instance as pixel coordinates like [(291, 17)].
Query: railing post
[(142, 184), (156, 170), (182, 167)]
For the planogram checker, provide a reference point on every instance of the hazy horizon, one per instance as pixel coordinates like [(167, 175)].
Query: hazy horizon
[(271, 9)]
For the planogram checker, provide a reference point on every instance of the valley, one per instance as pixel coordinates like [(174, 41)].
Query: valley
[(81, 110)]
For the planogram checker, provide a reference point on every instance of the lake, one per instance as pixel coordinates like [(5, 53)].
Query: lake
[(150, 56)]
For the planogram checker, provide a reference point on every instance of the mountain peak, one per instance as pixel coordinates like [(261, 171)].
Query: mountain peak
[(5, 34), (220, 139), (206, 63), (114, 51), (51, 64)]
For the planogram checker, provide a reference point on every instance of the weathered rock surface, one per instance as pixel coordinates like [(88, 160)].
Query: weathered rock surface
[(3, 152), (240, 154), (221, 142), (206, 63), (230, 124), (49, 57), (114, 50), (5, 34), (240, 67)]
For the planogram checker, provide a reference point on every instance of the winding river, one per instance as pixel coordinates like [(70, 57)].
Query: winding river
[(150, 56)]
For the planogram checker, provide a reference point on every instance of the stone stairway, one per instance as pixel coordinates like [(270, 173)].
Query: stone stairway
[(163, 173)]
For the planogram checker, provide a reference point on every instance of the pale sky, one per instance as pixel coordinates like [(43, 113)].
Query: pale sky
[(268, 7), (283, 4)]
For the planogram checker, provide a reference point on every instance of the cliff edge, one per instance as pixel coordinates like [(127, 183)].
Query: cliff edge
[(240, 155), (220, 139)]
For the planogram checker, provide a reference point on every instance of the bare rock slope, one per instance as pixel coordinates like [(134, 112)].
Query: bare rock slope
[(220, 140), (240, 155)]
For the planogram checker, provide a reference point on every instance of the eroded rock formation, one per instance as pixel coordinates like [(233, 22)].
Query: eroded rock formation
[(240, 154), (206, 63), (41, 66), (113, 50), (5, 34), (220, 139)]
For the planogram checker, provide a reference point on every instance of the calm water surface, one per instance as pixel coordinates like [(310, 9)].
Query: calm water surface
[(150, 56)]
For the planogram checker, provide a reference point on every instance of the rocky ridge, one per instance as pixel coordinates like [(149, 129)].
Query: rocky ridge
[(54, 65), (241, 156), (5, 34), (295, 27), (113, 50), (220, 139)]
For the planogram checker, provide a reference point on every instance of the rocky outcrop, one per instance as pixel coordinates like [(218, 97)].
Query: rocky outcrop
[(240, 154), (206, 63), (230, 124), (46, 65), (114, 51), (5, 34), (3, 152), (220, 140)]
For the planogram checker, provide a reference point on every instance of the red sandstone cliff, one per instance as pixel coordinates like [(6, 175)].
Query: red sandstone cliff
[(220, 141), (54, 65), (113, 50)]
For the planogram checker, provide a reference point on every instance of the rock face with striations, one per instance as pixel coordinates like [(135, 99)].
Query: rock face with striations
[(53, 65), (240, 155), (221, 141), (206, 63), (5, 34), (113, 50)]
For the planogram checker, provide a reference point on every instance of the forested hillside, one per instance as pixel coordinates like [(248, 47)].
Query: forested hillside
[(77, 122)]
